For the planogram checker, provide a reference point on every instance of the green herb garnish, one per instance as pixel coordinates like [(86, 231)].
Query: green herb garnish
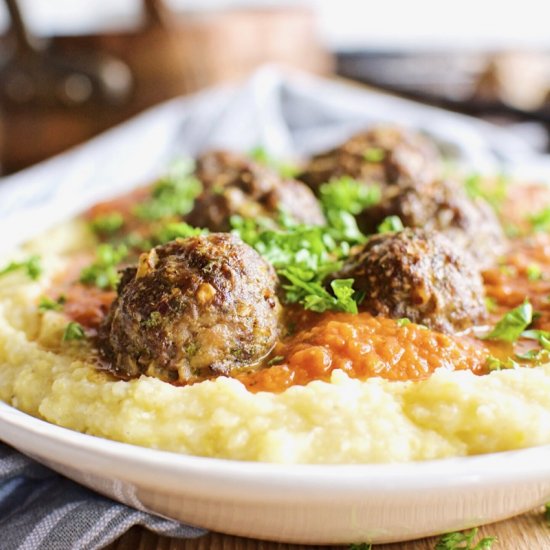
[(73, 331), (348, 195), (173, 195), (261, 156), (391, 224), (464, 541), (403, 322), (107, 224), (494, 363), (374, 154), (541, 220), (48, 304), (32, 267), (494, 193), (103, 273), (534, 272), (547, 513), (511, 326), (278, 359), (361, 546), (172, 231)]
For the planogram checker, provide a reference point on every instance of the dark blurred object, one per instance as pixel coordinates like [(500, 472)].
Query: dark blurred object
[(60, 92), (509, 86)]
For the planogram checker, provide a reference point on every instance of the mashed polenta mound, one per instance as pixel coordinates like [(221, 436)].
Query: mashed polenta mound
[(342, 420)]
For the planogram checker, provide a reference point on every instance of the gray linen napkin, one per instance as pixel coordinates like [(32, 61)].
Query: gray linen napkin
[(41, 510)]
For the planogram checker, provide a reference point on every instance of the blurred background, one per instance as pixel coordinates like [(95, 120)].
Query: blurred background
[(70, 69)]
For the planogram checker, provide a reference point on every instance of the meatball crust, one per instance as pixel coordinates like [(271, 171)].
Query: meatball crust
[(235, 185), (191, 309), (385, 155), (418, 275), (442, 206)]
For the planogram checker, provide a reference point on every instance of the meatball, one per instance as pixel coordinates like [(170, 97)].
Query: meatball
[(418, 275), (385, 155), (442, 206), (191, 309), (234, 184)]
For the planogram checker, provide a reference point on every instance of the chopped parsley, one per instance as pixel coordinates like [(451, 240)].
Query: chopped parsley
[(32, 267), (277, 360), (48, 304), (303, 255), (512, 325), (361, 546), (348, 195), (534, 272), (73, 331), (107, 224), (540, 221), (391, 224), (541, 336), (464, 541), (494, 192), (494, 363), (260, 155), (374, 154), (172, 231), (103, 273), (403, 322), (173, 195), (547, 513)]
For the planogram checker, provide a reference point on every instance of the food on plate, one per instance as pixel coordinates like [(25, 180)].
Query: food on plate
[(444, 207), (192, 308), (387, 155), (418, 275), (381, 314), (236, 185)]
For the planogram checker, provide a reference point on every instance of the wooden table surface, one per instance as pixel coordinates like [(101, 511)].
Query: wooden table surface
[(527, 532)]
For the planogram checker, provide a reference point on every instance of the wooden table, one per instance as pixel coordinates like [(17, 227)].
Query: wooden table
[(527, 532)]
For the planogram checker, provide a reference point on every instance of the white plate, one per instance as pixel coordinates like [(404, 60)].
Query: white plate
[(301, 504)]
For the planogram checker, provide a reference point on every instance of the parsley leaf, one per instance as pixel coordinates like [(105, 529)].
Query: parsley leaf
[(494, 192), (73, 331), (374, 154), (261, 156), (47, 304), (464, 541), (348, 195), (403, 322), (534, 272), (547, 513), (391, 224), (103, 273), (172, 231), (32, 266), (541, 220), (494, 363), (511, 326), (107, 224), (361, 546), (173, 195)]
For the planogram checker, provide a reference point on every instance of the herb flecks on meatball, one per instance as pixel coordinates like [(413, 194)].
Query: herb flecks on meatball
[(192, 309), (442, 206), (236, 185), (384, 155), (418, 275)]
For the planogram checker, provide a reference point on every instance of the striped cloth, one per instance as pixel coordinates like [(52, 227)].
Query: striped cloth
[(41, 510)]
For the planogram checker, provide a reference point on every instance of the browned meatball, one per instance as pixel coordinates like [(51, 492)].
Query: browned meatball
[(385, 155), (191, 309), (235, 185), (418, 275), (442, 206)]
